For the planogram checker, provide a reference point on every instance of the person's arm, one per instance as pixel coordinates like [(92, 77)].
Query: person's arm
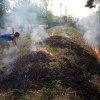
[(14, 42)]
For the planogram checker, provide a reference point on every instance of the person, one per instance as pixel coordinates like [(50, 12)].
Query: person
[(4, 38)]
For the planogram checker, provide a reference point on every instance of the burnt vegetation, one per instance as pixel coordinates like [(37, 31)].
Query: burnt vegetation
[(74, 71)]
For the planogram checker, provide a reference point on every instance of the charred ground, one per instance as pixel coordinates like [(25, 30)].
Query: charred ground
[(68, 75)]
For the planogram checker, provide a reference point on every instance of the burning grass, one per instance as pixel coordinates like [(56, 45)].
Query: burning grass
[(67, 74)]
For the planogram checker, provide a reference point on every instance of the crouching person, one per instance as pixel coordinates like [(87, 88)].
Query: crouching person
[(4, 38)]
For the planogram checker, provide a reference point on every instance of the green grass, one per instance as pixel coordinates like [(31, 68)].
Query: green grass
[(53, 64), (46, 94), (57, 85)]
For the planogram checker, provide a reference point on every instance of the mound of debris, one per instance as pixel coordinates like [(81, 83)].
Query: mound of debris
[(74, 70), (40, 56)]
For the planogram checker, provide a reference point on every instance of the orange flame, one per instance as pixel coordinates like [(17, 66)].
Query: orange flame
[(45, 50), (97, 53), (53, 34)]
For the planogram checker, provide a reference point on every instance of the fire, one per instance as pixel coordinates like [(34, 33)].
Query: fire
[(53, 34), (97, 53), (48, 53), (45, 50)]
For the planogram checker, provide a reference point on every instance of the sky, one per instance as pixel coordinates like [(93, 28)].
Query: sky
[(74, 7)]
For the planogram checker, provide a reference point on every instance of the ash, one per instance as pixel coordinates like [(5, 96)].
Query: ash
[(40, 56)]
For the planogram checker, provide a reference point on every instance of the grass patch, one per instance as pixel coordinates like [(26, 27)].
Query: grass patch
[(96, 82), (46, 94), (53, 64), (15, 95), (57, 85), (55, 49)]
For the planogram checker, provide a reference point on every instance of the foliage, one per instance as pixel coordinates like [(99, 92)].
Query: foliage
[(26, 12), (2, 13), (90, 4), (50, 16)]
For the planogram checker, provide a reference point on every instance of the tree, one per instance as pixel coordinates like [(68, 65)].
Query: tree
[(50, 16), (2, 13), (26, 12), (90, 4), (44, 4)]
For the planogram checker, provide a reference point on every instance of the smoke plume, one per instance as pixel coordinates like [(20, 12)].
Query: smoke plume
[(24, 17), (90, 26)]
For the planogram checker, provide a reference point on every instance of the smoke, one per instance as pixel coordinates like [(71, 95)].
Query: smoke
[(90, 26), (63, 29), (8, 59), (38, 36), (25, 14)]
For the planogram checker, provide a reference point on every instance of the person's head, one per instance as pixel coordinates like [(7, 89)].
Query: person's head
[(16, 34)]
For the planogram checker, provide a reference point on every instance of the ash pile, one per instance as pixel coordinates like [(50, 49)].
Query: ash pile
[(39, 56)]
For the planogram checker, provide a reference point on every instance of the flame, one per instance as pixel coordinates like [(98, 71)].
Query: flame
[(48, 53), (45, 50), (54, 34), (97, 53)]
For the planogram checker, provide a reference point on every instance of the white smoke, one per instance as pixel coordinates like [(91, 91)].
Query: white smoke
[(8, 59), (38, 35), (90, 26), (26, 15), (23, 13)]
